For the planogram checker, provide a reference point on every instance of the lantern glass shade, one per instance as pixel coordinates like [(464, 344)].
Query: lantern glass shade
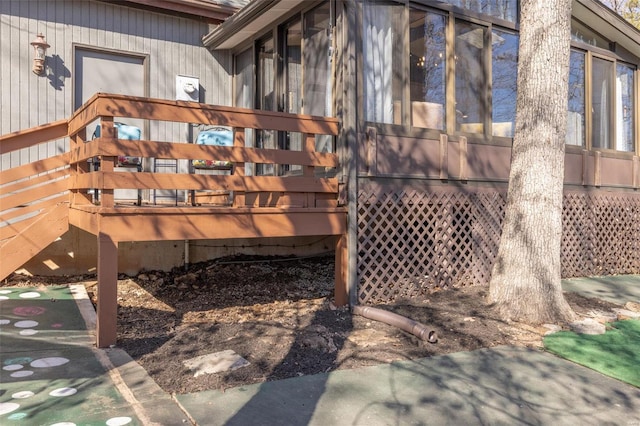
[(40, 46), (39, 52)]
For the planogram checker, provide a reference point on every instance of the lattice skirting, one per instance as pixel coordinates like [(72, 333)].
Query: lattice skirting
[(413, 242)]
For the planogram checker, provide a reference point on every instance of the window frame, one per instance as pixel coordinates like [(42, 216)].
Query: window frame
[(590, 51), (451, 14), (276, 31)]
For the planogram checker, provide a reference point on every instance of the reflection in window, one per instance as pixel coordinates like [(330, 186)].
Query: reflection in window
[(583, 34), (602, 91), (503, 9), (576, 113), (292, 102), (244, 93), (266, 99), (318, 79), (624, 108), (382, 57), (470, 77), (427, 69), (504, 80)]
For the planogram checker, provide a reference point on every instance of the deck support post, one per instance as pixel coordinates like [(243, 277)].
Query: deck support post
[(341, 290), (107, 291)]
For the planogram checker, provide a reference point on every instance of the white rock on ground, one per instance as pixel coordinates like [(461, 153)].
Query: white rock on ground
[(624, 314), (632, 306), (587, 326), (551, 328), (215, 362)]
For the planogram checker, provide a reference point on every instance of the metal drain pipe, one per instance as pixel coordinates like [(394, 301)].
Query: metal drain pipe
[(410, 326)]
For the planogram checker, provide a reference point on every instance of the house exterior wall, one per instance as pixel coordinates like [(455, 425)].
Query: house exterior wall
[(172, 45)]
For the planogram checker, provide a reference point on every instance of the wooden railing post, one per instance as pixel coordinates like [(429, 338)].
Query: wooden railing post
[(238, 168), (107, 164), (341, 290), (107, 315), (309, 171), (78, 197)]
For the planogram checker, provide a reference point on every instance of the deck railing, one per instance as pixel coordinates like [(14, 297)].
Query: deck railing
[(28, 190), (307, 188)]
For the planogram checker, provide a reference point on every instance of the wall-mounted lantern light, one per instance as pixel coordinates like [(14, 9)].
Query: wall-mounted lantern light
[(40, 47)]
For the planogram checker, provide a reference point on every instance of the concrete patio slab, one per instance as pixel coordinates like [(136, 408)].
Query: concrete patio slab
[(492, 386), (618, 289)]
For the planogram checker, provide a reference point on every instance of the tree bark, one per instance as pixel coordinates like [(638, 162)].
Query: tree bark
[(525, 283)]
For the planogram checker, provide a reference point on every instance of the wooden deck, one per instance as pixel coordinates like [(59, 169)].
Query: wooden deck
[(304, 204)]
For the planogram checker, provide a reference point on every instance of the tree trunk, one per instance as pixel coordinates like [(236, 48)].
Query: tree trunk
[(525, 283)]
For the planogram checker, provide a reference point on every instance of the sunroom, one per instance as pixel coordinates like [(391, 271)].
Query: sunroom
[(426, 95)]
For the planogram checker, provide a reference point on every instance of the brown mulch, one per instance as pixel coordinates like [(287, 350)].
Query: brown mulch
[(277, 314)]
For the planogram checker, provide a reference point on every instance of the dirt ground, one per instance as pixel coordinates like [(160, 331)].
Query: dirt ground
[(278, 315)]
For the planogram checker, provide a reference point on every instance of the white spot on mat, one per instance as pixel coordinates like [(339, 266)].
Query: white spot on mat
[(49, 362), (4, 298), (30, 295), (63, 392), (12, 367), (22, 373), (26, 324), (214, 363), (28, 332), (118, 421), (5, 322), (64, 424), (22, 395), (7, 407), (17, 416), (5, 291)]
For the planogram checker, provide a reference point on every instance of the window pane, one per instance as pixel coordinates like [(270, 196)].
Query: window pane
[(266, 80), (427, 65), (266, 99), (292, 102), (503, 9), (318, 78), (504, 80), (317, 62), (244, 79), (624, 108), (602, 85), (244, 94), (470, 77), (583, 34), (575, 116), (293, 63), (382, 57)]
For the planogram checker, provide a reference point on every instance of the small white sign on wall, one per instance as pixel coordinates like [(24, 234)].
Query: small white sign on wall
[(187, 88)]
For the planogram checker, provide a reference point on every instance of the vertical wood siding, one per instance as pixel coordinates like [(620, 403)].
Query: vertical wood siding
[(173, 45)]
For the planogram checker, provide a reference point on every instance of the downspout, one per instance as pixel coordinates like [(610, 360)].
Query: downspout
[(350, 123), (407, 324)]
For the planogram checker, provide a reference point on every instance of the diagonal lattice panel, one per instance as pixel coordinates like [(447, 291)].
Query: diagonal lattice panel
[(412, 242)]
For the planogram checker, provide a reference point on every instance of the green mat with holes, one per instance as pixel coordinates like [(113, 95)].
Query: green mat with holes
[(615, 353)]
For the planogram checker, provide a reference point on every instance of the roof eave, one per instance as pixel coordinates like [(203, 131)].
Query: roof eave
[(235, 23), (204, 10)]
